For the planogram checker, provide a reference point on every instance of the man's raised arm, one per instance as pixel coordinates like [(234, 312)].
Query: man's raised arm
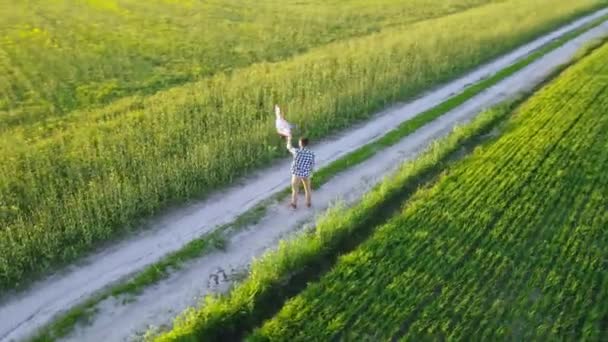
[(290, 147)]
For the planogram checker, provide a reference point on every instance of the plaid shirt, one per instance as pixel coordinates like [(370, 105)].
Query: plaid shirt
[(303, 162)]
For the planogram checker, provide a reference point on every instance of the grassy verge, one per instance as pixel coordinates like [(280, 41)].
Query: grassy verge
[(217, 239)]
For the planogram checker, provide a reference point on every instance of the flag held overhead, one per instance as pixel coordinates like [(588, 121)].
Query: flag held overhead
[(283, 127)]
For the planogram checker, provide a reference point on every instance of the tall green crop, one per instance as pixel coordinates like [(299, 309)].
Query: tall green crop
[(65, 55)]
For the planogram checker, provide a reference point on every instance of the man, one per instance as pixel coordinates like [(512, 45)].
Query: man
[(301, 170)]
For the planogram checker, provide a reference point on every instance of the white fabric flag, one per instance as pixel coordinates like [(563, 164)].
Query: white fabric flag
[(283, 127)]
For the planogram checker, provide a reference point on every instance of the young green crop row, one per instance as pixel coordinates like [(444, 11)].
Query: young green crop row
[(73, 183), (509, 244), (60, 56)]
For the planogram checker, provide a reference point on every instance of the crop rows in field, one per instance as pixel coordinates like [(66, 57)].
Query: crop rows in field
[(74, 182), (510, 244)]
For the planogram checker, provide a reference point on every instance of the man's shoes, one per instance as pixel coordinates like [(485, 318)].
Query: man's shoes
[(293, 206)]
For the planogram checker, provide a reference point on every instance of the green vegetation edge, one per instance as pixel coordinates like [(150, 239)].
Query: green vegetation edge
[(197, 248)]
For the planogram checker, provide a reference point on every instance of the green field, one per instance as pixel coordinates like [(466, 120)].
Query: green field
[(112, 110), (58, 56), (509, 244)]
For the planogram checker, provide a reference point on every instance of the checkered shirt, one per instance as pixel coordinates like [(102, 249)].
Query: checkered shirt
[(303, 162)]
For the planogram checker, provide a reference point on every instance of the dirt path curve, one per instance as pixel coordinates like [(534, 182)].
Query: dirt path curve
[(24, 313)]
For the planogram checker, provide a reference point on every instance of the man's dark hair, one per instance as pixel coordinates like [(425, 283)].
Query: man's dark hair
[(304, 141)]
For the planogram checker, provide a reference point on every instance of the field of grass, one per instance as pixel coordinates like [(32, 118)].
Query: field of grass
[(509, 244), (81, 174), (58, 56)]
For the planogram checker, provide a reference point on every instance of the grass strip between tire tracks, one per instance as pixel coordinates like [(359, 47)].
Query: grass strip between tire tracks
[(63, 325)]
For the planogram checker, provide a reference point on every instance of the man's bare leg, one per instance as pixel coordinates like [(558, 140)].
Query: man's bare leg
[(307, 190), (295, 188)]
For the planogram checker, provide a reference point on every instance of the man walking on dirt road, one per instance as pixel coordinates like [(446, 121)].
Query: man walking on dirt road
[(301, 170)]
